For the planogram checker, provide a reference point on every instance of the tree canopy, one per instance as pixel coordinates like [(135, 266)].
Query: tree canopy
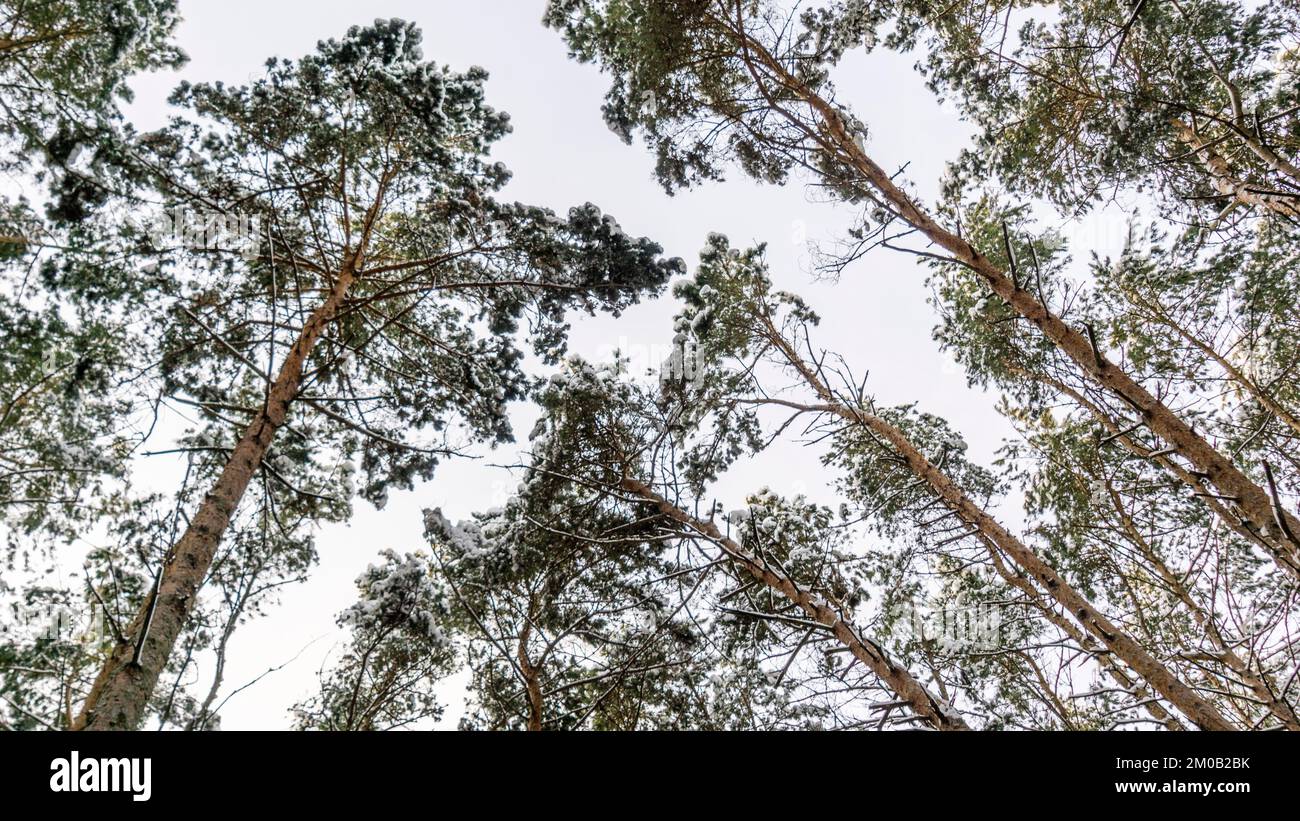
[(310, 289)]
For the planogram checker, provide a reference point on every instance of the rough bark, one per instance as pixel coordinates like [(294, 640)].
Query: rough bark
[(1263, 688), (1200, 712), (120, 694), (1261, 685), (1223, 180), (1105, 660), (1126, 440), (532, 679), (1277, 529), (893, 675), (995, 536)]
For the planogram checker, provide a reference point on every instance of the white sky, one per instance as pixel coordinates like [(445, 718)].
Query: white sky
[(562, 154)]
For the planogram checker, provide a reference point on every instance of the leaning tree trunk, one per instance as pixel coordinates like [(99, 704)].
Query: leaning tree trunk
[(1124, 437), (1115, 639), (1260, 684), (999, 540), (120, 694), (1252, 196), (1104, 659), (1275, 528), (895, 676)]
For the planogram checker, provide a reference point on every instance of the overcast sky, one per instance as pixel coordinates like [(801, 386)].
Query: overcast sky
[(562, 155)]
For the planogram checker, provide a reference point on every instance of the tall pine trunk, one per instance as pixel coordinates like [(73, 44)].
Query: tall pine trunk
[(120, 695), (1000, 541), (532, 678), (1116, 671), (1273, 527), (896, 677)]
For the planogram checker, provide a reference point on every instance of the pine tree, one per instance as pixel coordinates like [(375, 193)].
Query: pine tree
[(911, 456), (1193, 99), (70, 389), (63, 69), (715, 82), (400, 648), (346, 325)]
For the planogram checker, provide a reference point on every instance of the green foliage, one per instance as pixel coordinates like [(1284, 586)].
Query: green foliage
[(1075, 101)]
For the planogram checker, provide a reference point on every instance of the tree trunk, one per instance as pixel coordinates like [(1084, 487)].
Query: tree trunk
[(1254, 504), (896, 677), (1107, 661), (1199, 711), (120, 695), (531, 676), (1260, 684), (1183, 697), (1285, 205), (1125, 440), (1276, 528)]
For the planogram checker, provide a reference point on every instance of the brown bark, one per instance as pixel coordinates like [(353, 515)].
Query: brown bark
[(1254, 503), (1238, 123), (995, 536), (894, 676), (1272, 159), (1223, 180), (120, 694), (1116, 640), (1126, 441), (532, 681), (13, 44), (1104, 659), (1261, 686)]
